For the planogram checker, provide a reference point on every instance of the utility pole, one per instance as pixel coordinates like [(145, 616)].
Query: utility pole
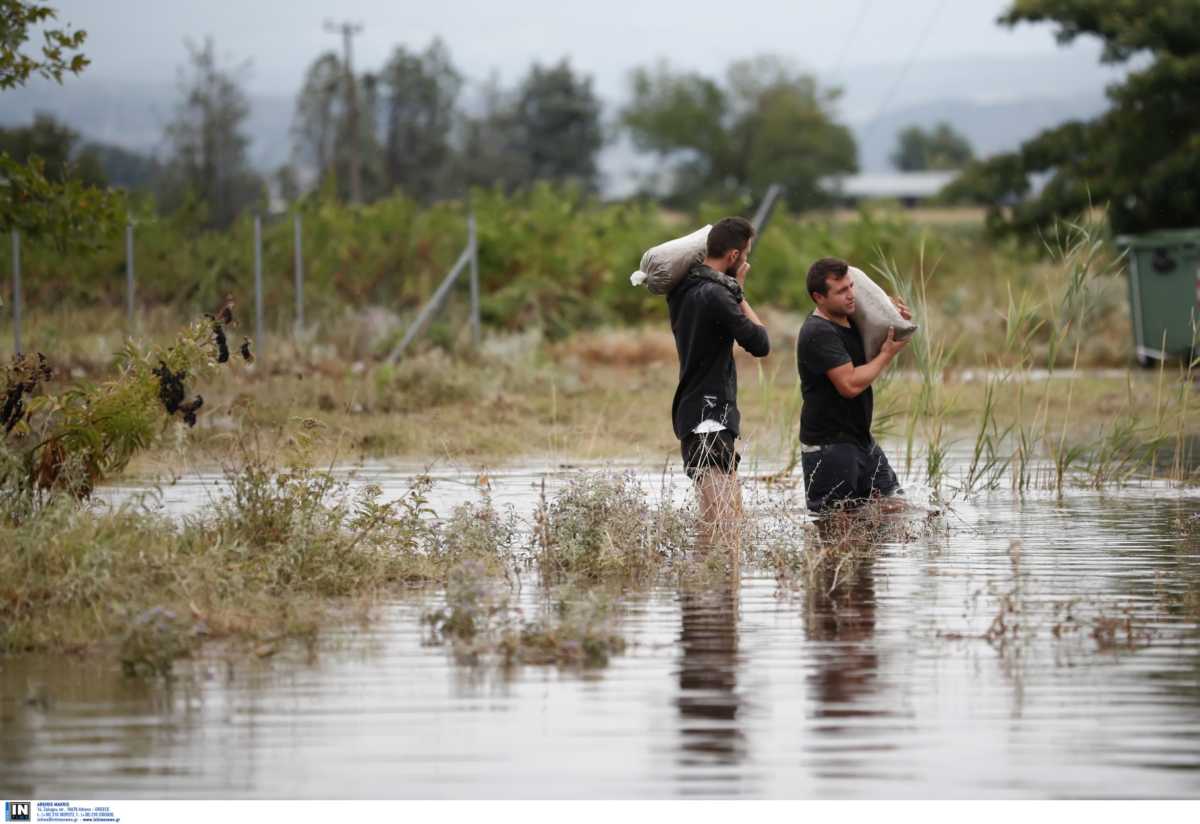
[(348, 30)]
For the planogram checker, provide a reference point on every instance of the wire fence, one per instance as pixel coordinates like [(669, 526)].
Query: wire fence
[(468, 261)]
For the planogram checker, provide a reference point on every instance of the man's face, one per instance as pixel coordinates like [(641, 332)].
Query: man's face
[(838, 300), (733, 260)]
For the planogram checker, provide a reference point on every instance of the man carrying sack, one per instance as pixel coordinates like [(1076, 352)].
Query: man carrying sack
[(708, 313), (843, 466)]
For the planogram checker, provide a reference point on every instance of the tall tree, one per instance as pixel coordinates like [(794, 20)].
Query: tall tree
[(321, 130), (490, 153), (68, 211), (938, 149), (419, 94), (1142, 156), (557, 123), (319, 115), (766, 123), (208, 141), (548, 128)]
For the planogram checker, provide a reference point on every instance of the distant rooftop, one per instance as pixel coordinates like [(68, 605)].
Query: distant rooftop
[(897, 185)]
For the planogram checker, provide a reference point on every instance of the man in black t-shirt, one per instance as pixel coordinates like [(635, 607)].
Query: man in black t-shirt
[(842, 463)]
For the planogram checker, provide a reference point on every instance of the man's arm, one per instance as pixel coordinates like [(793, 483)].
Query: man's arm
[(743, 323), (750, 313), (851, 381)]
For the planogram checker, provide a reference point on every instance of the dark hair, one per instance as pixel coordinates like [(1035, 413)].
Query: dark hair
[(729, 233), (821, 271)]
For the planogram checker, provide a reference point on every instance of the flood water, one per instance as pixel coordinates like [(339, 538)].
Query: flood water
[(898, 684)]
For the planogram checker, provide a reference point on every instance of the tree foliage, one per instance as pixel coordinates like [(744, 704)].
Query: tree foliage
[(556, 121), (1141, 157), (766, 123), (37, 197), (419, 96), (57, 145), (59, 53), (325, 135), (208, 158), (415, 137), (940, 148)]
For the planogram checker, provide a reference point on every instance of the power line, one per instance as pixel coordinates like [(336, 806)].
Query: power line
[(920, 41), (850, 38)]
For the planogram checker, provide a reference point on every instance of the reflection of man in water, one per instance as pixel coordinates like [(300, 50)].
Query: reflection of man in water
[(841, 614), (708, 699), (709, 313)]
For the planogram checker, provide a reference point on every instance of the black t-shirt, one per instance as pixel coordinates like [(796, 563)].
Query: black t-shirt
[(827, 417)]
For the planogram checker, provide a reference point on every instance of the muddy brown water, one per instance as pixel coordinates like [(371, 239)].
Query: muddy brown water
[(896, 685)]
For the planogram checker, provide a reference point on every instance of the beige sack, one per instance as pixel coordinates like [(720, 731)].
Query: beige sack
[(664, 265), (874, 313)]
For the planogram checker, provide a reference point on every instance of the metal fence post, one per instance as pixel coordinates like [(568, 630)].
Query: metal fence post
[(299, 256), (259, 337), (473, 240), (129, 319), (16, 295)]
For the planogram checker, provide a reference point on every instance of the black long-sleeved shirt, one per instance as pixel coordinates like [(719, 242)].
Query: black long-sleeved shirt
[(706, 319)]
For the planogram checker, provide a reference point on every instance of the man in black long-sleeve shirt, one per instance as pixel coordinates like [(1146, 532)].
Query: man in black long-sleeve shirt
[(708, 313)]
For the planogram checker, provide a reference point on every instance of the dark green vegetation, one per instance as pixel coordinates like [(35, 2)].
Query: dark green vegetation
[(766, 123), (33, 198), (939, 148), (554, 259), (1140, 157)]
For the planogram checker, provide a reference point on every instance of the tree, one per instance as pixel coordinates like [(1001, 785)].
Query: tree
[(419, 96), (490, 154), (321, 130), (548, 128), (767, 123), (56, 59), (67, 210), (941, 149), (124, 168), (557, 122), (58, 147), (208, 143), (1142, 156)]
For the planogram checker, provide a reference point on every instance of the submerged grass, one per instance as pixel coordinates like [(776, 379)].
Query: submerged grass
[(276, 555), (603, 528)]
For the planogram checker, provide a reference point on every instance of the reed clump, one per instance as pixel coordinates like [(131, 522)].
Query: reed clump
[(603, 527), (278, 554)]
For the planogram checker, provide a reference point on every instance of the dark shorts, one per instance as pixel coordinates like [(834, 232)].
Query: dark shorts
[(709, 450), (845, 475)]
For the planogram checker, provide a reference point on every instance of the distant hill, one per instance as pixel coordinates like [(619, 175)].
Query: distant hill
[(991, 127)]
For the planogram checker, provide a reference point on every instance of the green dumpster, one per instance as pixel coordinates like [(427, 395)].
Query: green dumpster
[(1164, 293)]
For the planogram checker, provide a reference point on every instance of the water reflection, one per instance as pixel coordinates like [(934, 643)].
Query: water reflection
[(712, 741), (840, 619)]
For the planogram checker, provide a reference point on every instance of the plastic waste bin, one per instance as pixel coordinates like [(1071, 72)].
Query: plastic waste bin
[(1164, 293)]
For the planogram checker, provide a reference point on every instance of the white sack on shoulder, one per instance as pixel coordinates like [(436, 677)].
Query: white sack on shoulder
[(874, 314), (664, 265)]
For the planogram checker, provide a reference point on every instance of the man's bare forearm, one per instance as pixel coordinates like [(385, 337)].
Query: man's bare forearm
[(866, 374)]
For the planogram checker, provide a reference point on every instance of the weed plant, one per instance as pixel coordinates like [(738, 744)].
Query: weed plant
[(602, 528)]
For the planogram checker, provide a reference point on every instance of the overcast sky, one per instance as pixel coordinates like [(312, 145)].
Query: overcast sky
[(130, 40)]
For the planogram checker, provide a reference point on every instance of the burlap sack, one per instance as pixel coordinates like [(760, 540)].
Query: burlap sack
[(874, 313), (664, 265)]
